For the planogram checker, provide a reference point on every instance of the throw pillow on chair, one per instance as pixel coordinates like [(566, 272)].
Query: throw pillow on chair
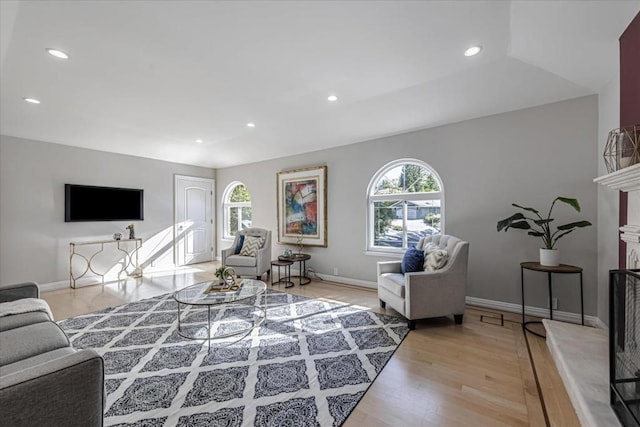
[(251, 246), (412, 260)]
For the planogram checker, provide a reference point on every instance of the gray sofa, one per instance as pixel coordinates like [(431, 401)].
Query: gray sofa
[(43, 380)]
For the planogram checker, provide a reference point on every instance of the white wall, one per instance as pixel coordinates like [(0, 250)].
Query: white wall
[(608, 199), (528, 157), (34, 239)]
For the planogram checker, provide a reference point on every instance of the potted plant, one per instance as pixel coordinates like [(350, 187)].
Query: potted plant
[(219, 271), (541, 227)]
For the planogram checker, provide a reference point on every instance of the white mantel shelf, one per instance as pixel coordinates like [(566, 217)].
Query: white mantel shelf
[(627, 179)]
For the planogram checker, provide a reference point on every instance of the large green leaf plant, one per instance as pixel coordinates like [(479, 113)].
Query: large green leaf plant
[(541, 227)]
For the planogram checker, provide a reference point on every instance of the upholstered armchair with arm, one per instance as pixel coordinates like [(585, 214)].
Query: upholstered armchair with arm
[(249, 265), (427, 294)]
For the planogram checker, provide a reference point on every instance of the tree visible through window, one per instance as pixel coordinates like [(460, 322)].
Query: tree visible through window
[(405, 204), (237, 209)]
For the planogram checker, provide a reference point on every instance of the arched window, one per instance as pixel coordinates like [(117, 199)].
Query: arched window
[(405, 201), (236, 207)]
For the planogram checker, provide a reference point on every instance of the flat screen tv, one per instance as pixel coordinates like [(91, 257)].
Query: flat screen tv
[(90, 203)]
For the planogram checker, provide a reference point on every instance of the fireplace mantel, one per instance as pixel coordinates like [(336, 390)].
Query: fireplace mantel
[(627, 179)]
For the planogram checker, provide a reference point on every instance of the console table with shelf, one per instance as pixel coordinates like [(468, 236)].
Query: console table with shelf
[(129, 247)]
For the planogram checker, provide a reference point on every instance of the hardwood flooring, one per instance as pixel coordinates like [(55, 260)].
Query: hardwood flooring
[(478, 373)]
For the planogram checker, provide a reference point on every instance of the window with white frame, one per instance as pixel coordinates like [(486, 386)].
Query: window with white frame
[(236, 207), (405, 201)]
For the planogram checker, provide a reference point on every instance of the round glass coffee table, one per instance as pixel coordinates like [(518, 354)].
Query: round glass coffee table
[(193, 297)]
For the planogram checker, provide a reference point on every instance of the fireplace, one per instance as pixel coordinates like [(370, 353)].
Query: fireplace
[(624, 345)]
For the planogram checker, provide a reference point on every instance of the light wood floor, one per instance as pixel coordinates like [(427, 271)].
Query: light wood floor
[(478, 373)]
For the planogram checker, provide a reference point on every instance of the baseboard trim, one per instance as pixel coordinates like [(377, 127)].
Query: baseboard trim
[(46, 287), (564, 316), (348, 281), (600, 324), (337, 279)]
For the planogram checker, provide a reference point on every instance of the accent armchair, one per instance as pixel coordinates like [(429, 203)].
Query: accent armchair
[(427, 294), (249, 265)]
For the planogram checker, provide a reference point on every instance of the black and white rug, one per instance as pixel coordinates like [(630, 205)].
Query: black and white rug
[(308, 365)]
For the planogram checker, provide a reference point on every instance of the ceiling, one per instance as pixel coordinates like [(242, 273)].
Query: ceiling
[(149, 78)]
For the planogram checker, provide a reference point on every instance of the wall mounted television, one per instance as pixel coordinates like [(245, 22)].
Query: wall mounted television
[(84, 203)]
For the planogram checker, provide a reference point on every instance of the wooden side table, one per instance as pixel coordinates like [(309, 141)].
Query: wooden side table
[(561, 269)]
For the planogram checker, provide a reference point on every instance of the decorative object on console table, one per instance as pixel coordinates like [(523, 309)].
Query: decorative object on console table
[(622, 148), (117, 236), (302, 206), (132, 233), (549, 255)]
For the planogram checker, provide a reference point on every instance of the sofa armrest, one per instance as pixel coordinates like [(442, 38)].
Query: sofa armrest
[(18, 291), (64, 391), (389, 267)]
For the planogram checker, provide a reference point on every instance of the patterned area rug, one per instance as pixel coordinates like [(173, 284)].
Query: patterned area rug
[(308, 365)]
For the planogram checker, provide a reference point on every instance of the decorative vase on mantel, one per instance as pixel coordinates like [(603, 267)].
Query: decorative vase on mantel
[(549, 257)]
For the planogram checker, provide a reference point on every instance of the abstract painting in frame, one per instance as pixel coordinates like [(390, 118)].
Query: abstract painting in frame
[(302, 206)]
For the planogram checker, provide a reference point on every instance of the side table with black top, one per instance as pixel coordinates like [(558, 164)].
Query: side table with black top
[(277, 263), (561, 269), (302, 272)]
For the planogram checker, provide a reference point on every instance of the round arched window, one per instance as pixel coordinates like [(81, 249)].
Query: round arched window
[(405, 202), (236, 206)]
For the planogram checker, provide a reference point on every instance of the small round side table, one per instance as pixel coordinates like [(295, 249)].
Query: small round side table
[(561, 269), (277, 263), (302, 260)]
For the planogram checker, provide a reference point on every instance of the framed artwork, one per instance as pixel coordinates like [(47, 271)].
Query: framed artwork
[(302, 206)]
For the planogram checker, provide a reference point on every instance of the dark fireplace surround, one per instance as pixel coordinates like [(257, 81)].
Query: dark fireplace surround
[(624, 345)]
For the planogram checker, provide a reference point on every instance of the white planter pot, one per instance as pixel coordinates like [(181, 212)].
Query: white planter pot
[(550, 257)]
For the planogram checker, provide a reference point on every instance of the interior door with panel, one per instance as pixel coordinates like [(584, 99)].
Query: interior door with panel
[(193, 228)]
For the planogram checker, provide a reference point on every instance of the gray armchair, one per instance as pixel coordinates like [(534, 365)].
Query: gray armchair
[(427, 294), (245, 265)]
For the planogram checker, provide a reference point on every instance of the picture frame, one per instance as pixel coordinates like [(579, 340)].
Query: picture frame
[(301, 200)]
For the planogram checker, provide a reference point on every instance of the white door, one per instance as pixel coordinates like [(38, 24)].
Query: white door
[(193, 229)]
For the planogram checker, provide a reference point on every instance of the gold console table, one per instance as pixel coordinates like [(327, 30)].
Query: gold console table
[(130, 259)]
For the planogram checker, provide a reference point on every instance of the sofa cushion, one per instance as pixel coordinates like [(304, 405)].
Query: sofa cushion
[(251, 246), (412, 260), (32, 362), (392, 282), (23, 319), (29, 341), (241, 261)]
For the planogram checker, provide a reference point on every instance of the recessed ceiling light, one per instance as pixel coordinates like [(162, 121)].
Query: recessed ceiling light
[(473, 50), (199, 141), (32, 100), (332, 98), (251, 125), (58, 53)]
